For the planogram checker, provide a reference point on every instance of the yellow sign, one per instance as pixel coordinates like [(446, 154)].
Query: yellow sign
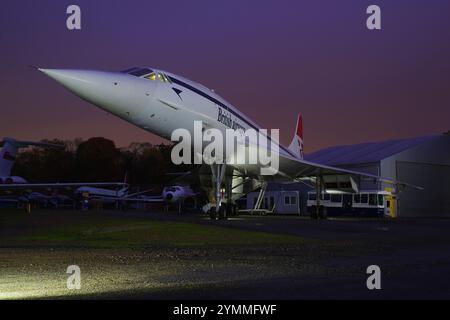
[(391, 204)]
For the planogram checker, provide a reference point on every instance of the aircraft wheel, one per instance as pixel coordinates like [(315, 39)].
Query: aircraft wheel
[(324, 213), (212, 213), (222, 211), (313, 213), (235, 210), (228, 213)]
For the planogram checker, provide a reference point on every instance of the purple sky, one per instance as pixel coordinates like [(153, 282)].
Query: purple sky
[(271, 59)]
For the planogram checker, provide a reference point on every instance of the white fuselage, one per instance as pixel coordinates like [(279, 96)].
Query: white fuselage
[(161, 105), (161, 102), (93, 192)]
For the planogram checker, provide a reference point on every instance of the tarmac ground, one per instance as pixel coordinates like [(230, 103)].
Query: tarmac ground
[(156, 255)]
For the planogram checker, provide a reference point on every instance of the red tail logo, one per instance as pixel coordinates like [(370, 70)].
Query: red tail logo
[(300, 127)]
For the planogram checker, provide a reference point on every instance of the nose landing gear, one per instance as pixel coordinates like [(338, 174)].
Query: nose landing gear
[(220, 211)]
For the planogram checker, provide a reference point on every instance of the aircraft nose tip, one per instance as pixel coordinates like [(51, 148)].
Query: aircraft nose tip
[(94, 86), (45, 71), (110, 91), (67, 77), (52, 73)]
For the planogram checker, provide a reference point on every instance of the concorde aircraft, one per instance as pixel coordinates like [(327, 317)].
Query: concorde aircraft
[(161, 102)]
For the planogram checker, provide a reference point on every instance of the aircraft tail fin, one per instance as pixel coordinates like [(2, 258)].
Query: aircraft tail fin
[(296, 145), (7, 156), (9, 152), (124, 190)]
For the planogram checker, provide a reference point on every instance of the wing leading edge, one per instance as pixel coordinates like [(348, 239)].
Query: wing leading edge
[(296, 169), (60, 185)]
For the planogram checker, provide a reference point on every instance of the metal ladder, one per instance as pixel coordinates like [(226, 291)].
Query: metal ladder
[(260, 197)]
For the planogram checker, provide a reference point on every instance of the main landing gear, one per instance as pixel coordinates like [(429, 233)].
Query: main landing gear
[(221, 211), (319, 211)]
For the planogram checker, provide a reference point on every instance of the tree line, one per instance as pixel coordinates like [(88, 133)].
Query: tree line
[(97, 159)]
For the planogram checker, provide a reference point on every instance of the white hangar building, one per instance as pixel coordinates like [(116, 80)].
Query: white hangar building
[(422, 161)]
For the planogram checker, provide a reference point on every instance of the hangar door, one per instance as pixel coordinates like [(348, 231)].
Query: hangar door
[(434, 200)]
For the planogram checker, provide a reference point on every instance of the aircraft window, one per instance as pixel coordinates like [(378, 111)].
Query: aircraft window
[(162, 77), (140, 72), (151, 76), (326, 196), (356, 198), (312, 196)]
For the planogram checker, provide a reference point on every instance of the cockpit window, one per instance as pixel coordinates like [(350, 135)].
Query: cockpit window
[(140, 72), (137, 72), (128, 70), (161, 77), (147, 74), (166, 78), (151, 76)]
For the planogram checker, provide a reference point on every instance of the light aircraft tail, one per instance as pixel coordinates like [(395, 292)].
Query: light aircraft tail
[(122, 192), (9, 152), (296, 145)]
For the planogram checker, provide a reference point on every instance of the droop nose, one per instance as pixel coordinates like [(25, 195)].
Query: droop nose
[(107, 90)]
